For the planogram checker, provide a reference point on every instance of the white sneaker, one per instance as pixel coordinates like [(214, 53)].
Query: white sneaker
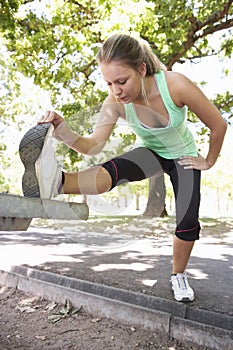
[(180, 286), (43, 174)]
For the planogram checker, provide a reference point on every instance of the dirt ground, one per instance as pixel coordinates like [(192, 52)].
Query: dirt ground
[(28, 322)]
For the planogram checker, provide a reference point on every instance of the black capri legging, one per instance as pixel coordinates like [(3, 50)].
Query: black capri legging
[(142, 163)]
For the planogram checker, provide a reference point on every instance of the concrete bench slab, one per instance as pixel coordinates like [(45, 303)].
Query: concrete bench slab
[(16, 212)]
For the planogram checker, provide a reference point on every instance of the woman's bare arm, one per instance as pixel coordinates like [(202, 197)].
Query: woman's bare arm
[(185, 92)]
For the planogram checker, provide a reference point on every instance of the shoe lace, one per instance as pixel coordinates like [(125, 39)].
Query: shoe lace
[(182, 281)]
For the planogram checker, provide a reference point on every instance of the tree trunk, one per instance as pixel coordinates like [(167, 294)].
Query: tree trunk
[(156, 200)]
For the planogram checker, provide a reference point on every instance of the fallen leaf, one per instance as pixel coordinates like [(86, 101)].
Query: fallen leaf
[(51, 306), (66, 311), (55, 318), (95, 320), (68, 305), (40, 337), (26, 309), (76, 311)]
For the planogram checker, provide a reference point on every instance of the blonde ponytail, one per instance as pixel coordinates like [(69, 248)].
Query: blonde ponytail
[(153, 64), (132, 52)]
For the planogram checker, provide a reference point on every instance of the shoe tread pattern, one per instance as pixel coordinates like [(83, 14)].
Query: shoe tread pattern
[(30, 148)]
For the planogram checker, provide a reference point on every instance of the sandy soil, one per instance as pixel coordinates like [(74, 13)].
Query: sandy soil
[(28, 322)]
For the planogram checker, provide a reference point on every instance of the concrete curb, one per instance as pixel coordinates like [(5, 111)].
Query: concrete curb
[(177, 320)]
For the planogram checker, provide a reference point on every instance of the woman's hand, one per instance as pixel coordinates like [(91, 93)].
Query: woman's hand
[(61, 132), (190, 162), (51, 117)]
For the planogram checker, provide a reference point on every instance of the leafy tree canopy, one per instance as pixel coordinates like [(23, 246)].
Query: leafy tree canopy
[(55, 44)]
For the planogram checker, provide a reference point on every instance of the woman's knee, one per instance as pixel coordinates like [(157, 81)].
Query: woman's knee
[(103, 180), (188, 233)]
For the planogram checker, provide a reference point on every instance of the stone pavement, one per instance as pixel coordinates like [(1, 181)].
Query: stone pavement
[(132, 268)]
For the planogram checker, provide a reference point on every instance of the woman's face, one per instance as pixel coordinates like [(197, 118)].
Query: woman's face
[(123, 81)]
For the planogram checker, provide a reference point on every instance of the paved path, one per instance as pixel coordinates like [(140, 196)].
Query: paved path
[(127, 268)]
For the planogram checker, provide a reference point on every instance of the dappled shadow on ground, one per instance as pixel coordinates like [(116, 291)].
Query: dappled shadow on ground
[(128, 253), (211, 278), (217, 228)]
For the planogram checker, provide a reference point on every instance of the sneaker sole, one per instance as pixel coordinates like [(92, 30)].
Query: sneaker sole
[(30, 148), (185, 299)]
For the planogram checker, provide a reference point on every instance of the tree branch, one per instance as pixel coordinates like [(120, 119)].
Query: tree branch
[(217, 28), (197, 26)]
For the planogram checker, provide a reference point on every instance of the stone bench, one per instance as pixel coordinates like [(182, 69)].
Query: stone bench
[(16, 212)]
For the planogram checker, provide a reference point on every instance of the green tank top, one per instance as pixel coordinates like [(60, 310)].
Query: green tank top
[(172, 141)]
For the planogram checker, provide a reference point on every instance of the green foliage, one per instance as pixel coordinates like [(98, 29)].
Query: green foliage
[(9, 88), (4, 163), (55, 44), (8, 8), (224, 102), (57, 47)]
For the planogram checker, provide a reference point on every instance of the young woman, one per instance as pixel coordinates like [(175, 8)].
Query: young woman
[(154, 102)]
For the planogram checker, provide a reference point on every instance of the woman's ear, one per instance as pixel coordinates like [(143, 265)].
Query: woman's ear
[(142, 69)]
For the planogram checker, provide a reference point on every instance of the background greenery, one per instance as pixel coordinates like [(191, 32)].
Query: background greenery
[(50, 46)]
